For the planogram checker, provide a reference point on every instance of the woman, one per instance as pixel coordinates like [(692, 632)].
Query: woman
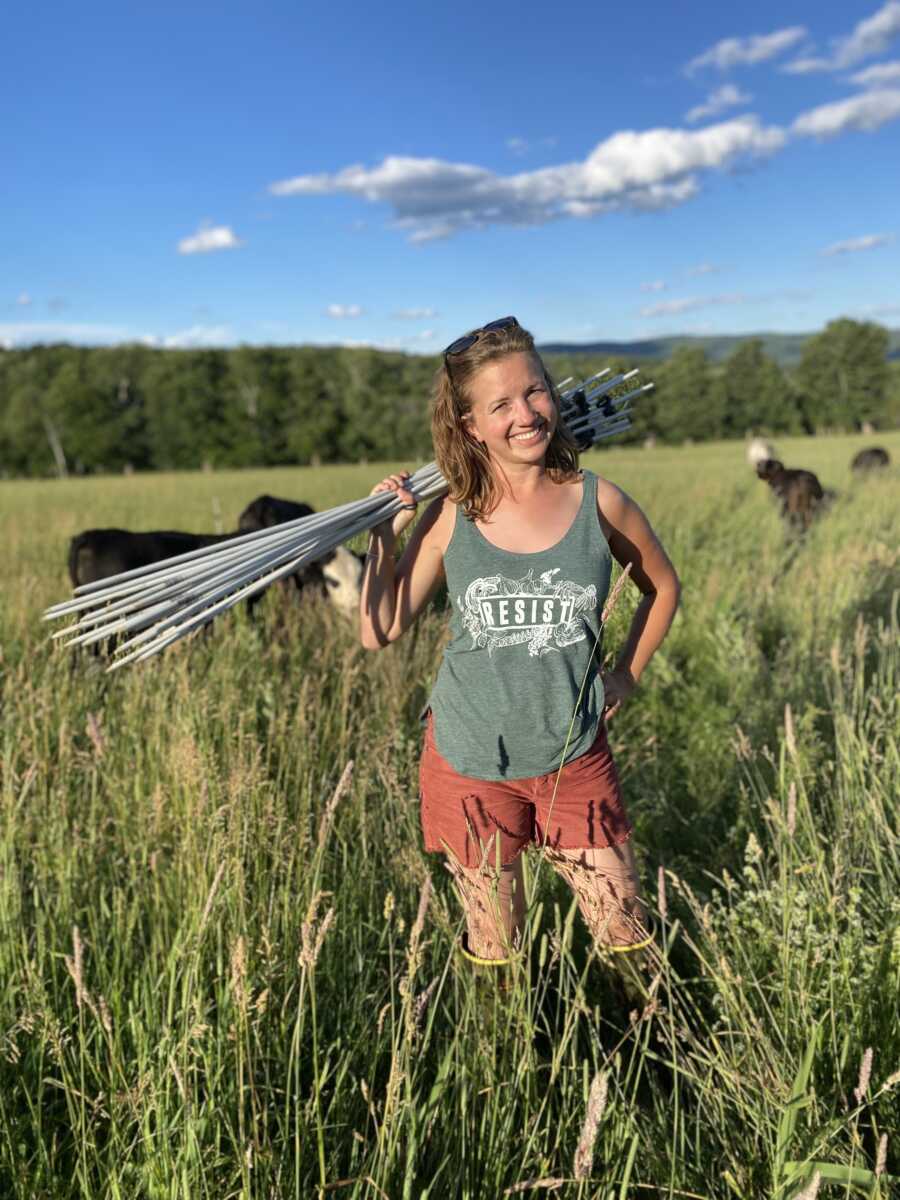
[(515, 746)]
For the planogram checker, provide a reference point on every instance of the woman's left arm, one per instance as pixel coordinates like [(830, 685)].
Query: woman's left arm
[(632, 541)]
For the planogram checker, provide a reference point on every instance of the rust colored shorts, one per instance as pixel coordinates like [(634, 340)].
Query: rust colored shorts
[(467, 816)]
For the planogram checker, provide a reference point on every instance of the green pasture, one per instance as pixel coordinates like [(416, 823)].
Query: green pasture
[(223, 975)]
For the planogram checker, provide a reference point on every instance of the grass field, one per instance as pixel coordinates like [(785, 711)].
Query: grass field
[(215, 982)]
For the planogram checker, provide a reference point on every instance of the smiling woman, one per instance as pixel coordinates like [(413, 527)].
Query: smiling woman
[(515, 747)]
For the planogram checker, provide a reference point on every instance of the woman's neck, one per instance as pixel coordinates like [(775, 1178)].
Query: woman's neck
[(520, 481)]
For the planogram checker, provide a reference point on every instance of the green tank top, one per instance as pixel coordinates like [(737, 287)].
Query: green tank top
[(524, 628)]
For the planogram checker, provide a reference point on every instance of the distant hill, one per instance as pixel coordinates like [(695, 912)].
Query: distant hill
[(784, 348)]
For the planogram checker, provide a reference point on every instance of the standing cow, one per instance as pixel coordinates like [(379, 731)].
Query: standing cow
[(97, 554), (798, 490)]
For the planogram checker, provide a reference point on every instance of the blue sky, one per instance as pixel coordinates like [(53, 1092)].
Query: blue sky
[(199, 174)]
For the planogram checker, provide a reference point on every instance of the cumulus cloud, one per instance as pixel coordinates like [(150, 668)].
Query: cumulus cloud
[(878, 75), (747, 51), (23, 299), (343, 312), (209, 238), (415, 314), (865, 112), (668, 308), (655, 285), (629, 171), (869, 37), (871, 241), (727, 96)]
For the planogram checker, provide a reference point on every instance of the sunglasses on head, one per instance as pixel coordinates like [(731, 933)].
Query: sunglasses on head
[(468, 340)]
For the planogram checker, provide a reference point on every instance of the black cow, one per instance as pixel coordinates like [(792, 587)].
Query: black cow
[(337, 575), (97, 554), (875, 458), (799, 491)]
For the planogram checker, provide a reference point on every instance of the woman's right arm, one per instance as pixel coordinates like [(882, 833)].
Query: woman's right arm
[(393, 594)]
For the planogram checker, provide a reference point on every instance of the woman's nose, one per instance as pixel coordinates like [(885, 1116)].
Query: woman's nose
[(524, 411)]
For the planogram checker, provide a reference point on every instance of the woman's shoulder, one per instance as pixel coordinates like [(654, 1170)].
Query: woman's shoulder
[(439, 519), (609, 494)]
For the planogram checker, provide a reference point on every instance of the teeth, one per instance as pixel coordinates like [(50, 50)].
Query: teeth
[(529, 436)]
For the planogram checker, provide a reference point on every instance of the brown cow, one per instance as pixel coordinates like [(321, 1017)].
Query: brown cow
[(799, 491)]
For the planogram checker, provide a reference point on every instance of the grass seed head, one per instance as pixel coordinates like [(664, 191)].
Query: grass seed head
[(865, 1074), (792, 809), (584, 1153), (613, 598), (789, 739), (812, 1190), (881, 1158)]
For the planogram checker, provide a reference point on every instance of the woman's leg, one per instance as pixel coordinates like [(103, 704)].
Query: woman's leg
[(606, 885), (493, 900)]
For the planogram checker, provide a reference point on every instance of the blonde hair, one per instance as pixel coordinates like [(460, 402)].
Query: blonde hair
[(464, 462)]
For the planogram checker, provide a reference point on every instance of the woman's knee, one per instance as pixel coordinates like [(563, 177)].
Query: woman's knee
[(606, 886)]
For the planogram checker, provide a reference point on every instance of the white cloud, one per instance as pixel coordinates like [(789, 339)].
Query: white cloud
[(520, 145), (702, 269), (871, 241), (727, 96), (806, 66), (629, 171), (25, 333), (668, 308), (877, 75), (195, 337), (872, 36), (343, 312), (23, 299), (747, 51), (209, 238), (655, 285), (415, 314), (864, 112)]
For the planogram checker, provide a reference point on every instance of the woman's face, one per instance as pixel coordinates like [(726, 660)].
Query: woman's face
[(512, 413)]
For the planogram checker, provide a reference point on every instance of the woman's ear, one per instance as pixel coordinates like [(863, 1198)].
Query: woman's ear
[(469, 429)]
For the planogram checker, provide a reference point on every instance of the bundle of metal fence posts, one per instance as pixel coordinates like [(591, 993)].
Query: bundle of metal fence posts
[(158, 604)]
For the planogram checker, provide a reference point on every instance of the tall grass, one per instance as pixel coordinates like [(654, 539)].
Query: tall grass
[(227, 968)]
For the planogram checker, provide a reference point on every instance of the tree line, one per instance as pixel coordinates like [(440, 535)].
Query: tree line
[(67, 409)]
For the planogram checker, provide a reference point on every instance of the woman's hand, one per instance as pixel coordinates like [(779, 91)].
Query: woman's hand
[(397, 483), (618, 685)]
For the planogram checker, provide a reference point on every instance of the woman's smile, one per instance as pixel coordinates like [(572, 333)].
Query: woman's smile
[(538, 432)]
